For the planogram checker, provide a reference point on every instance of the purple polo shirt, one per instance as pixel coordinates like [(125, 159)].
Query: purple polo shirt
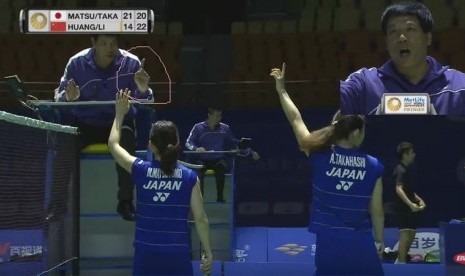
[(97, 84), (220, 138)]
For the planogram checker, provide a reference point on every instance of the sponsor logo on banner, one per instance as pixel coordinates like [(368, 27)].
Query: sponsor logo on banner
[(292, 249), (460, 258), (5, 248), (407, 103), (5, 252), (423, 242), (242, 254), (20, 245), (58, 21), (394, 104)]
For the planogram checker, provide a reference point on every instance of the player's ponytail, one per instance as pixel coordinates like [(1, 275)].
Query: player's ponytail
[(169, 158), (344, 124), (340, 128), (164, 135)]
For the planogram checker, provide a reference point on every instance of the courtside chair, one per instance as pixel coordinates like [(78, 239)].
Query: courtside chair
[(356, 41), (328, 4), (288, 27), (324, 20), (104, 3), (444, 17), (461, 17), (119, 3), (347, 19), (451, 40), (6, 20), (175, 28), (312, 4), (371, 19), (294, 6), (159, 28), (69, 3), (457, 4), (347, 4), (255, 27), (307, 22), (457, 61), (370, 5), (238, 27), (435, 4), (17, 5), (272, 27)]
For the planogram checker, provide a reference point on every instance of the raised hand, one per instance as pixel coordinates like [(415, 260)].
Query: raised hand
[(122, 102), (142, 78), (72, 91), (278, 75)]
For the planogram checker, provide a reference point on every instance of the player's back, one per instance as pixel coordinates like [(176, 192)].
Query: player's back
[(162, 208), (343, 182)]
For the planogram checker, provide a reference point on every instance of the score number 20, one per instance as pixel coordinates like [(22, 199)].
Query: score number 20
[(138, 26)]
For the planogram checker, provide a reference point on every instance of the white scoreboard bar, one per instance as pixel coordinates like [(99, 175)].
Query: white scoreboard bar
[(87, 21)]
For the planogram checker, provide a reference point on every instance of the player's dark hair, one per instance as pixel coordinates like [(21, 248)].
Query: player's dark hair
[(340, 128), (403, 148), (413, 8), (164, 135)]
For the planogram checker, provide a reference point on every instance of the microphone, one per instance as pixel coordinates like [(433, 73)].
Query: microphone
[(405, 104)]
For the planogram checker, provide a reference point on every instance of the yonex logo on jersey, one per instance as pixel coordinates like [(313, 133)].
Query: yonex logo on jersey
[(344, 185), (161, 197)]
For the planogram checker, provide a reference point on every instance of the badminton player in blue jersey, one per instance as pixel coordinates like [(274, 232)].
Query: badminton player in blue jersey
[(347, 192), (165, 192)]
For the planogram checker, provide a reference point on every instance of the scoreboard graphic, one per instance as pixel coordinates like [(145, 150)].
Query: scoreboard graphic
[(40, 21)]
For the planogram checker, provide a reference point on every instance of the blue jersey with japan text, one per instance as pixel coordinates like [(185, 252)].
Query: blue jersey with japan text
[(343, 182), (162, 207)]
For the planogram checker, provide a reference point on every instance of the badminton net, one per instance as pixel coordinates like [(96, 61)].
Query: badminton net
[(38, 196)]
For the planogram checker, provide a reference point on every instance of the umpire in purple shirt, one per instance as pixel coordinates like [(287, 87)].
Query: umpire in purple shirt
[(213, 135), (407, 28), (96, 74)]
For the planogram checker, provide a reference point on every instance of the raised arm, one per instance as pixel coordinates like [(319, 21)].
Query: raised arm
[(141, 82), (301, 132), (122, 157)]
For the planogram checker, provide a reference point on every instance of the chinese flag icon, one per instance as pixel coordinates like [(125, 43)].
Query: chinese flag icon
[(58, 26), (58, 21)]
